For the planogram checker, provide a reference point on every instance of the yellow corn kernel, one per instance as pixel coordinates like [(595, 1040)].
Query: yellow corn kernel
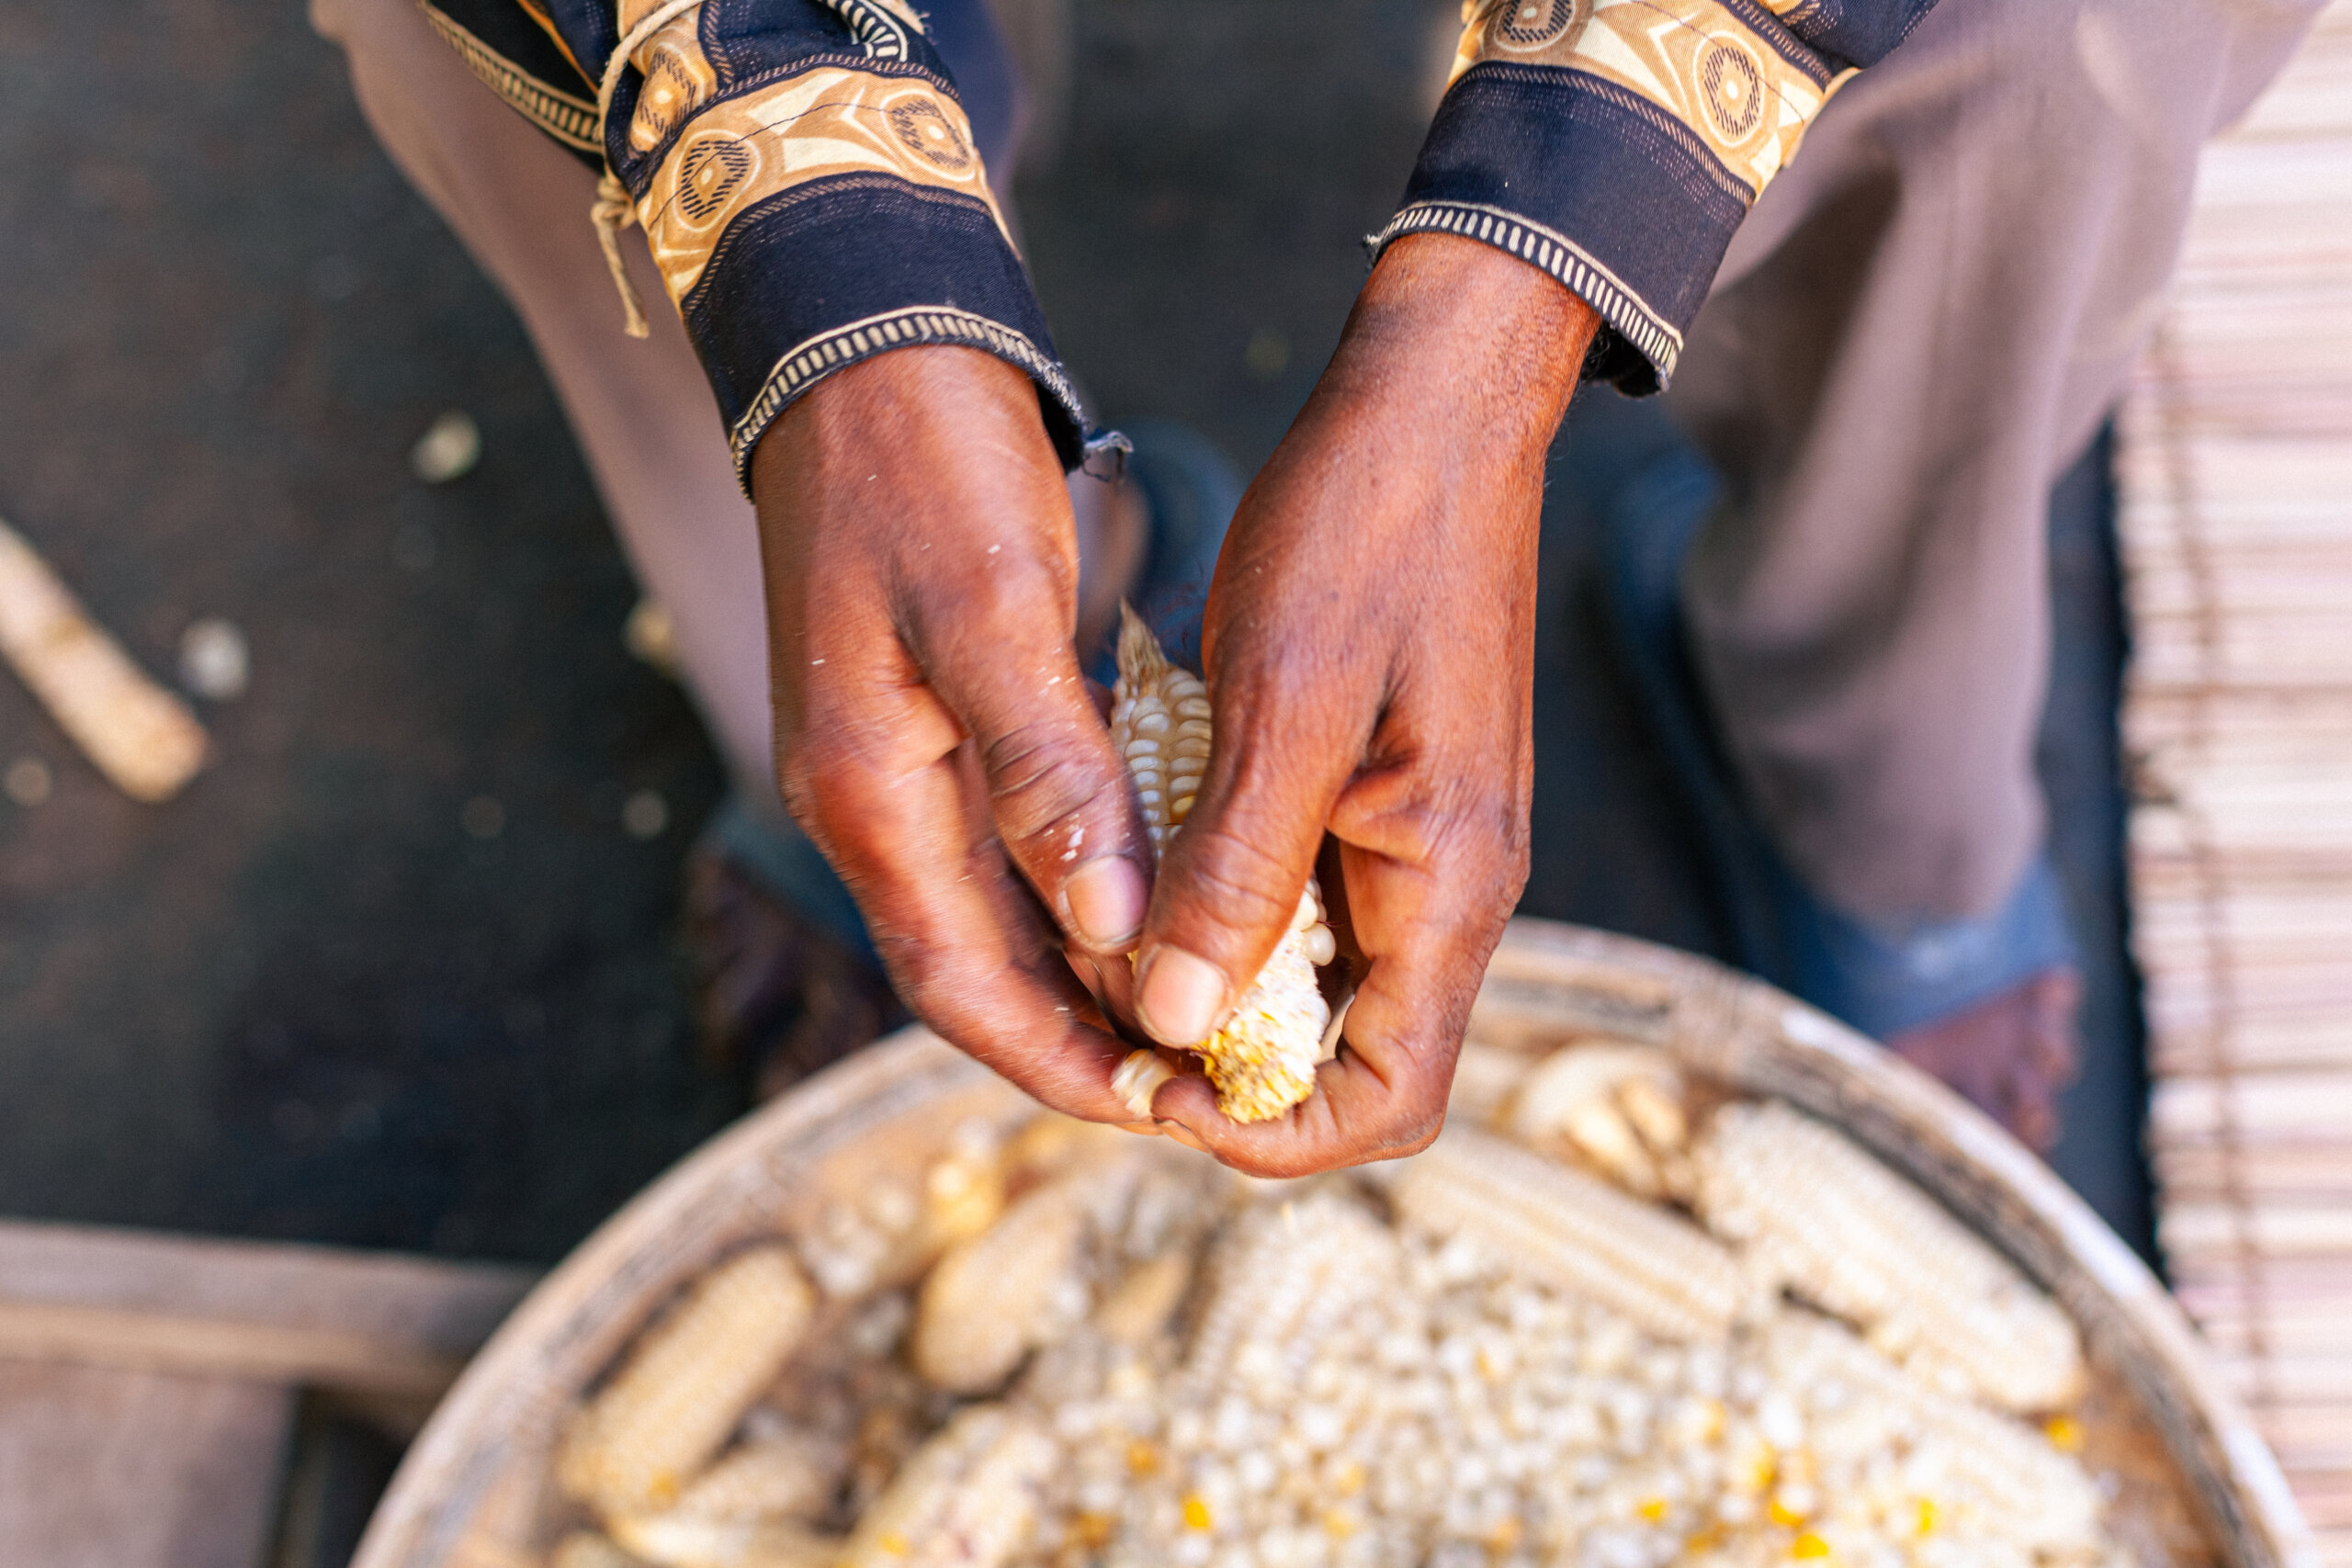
[(989, 1301), (1262, 1061), (1927, 1516), (1571, 1231), (1652, 1508), (687, 1385), (2065, 1434), (1197, 1512), (1808, 1545), (1780, 1514), (1808, 1206), (967, 1498)]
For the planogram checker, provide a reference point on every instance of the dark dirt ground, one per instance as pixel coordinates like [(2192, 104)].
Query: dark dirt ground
[(304, 1000)]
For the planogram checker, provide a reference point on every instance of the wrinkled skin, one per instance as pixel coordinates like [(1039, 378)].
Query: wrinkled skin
[(1368, 648)]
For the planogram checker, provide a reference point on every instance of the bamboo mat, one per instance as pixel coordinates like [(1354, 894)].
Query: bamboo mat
[(2236, 517)]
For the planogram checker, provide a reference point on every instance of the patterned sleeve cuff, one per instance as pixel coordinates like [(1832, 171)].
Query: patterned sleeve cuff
[(810, 207), (1616, 144)]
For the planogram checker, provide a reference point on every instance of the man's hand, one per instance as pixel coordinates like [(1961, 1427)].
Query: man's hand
[(933, 732), (1369, 651)]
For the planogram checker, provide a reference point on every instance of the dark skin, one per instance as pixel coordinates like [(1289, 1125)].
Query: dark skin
[(1368, 651)]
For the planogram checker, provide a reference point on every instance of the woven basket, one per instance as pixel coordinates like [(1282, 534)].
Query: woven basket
[(473, 1493)]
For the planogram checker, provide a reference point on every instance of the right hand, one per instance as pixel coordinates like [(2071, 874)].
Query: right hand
[(934, 736)]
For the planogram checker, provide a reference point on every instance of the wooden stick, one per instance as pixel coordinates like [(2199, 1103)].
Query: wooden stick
[(140, 736), (201, 1346)]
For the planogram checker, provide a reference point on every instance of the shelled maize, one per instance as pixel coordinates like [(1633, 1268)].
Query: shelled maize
[(1482, 1357), (1263, 1060)]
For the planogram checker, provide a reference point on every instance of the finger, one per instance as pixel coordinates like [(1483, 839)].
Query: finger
[(1229, 883), (956, 929), (1058, 794)]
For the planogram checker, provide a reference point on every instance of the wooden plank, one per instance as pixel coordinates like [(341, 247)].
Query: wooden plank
[(110, 1469), (316, 1316)]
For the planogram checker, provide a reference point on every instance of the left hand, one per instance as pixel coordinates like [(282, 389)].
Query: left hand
[(1369, 651)]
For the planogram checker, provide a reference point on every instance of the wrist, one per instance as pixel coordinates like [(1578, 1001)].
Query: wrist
[(936, 402), (1449, 330)]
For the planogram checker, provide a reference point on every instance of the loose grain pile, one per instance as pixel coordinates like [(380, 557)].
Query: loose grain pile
[(1606, 1334)]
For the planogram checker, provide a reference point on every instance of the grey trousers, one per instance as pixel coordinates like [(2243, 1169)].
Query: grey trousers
[(1922, 322), (1920, 326)]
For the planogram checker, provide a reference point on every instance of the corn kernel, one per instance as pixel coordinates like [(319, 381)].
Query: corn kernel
[(1927, 1516), (1197, 1512), (1652, 1508), (2065, 1434), (1142, 1458), (1809, 1545)]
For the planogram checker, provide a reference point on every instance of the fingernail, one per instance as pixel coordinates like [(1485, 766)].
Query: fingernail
[(1106, 901), (1179, 996)]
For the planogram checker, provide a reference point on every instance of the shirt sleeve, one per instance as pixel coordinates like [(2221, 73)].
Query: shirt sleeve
[(1618, 143), (806, 179)]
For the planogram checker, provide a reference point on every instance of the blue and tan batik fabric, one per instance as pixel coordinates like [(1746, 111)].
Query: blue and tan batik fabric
[(1618, 143), (804, 174)]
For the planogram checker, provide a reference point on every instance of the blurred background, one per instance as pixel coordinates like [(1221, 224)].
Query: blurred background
[(399, 969)]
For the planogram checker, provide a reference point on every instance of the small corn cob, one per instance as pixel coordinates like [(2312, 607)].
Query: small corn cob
[(1618, 1105), (1262, 1061), (967, 1498), (1811, 1210), (992, 1300), (684, 1541), (784, 1478), (1572, 1232), (687, 1385)]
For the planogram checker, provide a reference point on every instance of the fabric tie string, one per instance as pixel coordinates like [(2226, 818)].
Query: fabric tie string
[(613, 210)]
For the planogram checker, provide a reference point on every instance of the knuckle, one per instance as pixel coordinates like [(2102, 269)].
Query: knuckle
[(1039, 777), (1221, 871)]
